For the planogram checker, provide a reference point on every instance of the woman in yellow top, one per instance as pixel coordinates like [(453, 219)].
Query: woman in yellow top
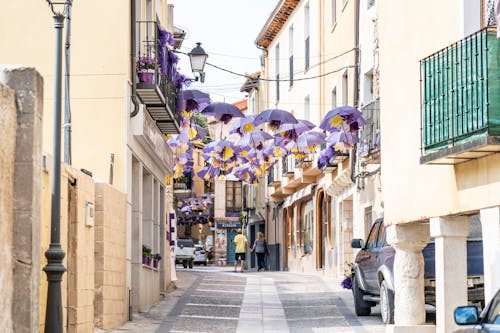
[(241, 248)]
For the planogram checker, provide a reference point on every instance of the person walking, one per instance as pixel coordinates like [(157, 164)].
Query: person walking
[(261, 249), (241, 243)]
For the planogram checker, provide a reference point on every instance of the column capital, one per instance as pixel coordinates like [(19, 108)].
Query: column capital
[(408, 236), (449, 226)]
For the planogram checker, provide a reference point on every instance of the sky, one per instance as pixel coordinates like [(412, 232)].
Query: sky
[(227, 30)]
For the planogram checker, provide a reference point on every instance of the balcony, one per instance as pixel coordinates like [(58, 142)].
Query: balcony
[(460, 88), (369, 135), (157, 94)]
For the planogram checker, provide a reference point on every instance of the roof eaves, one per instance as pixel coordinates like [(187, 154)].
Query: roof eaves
[(275, 22)]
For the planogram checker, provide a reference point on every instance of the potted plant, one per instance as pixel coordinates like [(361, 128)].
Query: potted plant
[(145, 68), (146, 255), (156, 259)]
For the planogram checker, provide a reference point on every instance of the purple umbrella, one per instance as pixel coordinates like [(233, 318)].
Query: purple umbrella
[(254, 138), (195, 99), (242, 125), (223, 112), (275, 118), (337, 118)]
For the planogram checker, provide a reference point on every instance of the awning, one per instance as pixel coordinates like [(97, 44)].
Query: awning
[(255, 218), (298, 195)]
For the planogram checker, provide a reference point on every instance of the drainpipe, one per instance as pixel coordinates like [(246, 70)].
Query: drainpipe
[(67, 107), (356, 83), (132, 56)]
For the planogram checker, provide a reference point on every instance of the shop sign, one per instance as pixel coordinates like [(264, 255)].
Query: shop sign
[(229, 224)]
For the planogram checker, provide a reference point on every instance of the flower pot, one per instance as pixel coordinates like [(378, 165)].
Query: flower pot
[(155, 263), (148, 260), (146, 76), (144, 260)]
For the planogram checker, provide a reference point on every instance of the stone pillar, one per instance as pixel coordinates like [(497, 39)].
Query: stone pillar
[(409, 302), (490, 223), (450, 235), (28, 85), (8, 126)]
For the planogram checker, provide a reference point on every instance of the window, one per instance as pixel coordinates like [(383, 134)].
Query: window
[(306, 36), (368, 88), (334, 98), (371, 242), (345, 92), (277, 71), (334, 12), (290, 55), (306, 227), (233, 196), (381, 236), (307, 106), (488, 11)]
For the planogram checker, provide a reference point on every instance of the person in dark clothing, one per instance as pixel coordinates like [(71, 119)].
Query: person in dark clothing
[(260, 248)]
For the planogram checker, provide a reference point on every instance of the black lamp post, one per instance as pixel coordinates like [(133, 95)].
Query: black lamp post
[(55, 254), (198, 58)]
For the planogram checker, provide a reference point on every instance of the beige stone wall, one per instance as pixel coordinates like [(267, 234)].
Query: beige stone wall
[(110, 254), (77, 240), (8, 126)]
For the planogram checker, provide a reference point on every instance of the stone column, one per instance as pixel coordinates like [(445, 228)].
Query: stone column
[(28, 85), (490, 223), (8, 126), (450, 235), (409, 313)]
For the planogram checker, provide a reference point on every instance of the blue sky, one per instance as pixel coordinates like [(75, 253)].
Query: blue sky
[(227, 30)]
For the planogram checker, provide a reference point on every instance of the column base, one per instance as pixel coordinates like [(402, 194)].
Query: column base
[(410, 329)]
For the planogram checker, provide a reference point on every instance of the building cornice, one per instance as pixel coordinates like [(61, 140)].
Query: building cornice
[(275, 22)]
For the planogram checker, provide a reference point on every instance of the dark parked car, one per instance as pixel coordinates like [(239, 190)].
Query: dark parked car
[(373, 278), (487, 322)]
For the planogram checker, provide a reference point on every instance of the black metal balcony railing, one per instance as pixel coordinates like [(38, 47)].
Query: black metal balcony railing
[(460, 88), (270, 176), (369, 135), (156, 91)]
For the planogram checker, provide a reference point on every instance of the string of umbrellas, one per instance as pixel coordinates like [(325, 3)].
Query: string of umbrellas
[(251, 151), (194, 210)]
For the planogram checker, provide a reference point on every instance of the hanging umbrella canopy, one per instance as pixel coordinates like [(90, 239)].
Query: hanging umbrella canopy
[(347, 118), (254, 139), (275, 118), (223, 112), (342, 139), (242, 125), (195, 100), (292, 131)]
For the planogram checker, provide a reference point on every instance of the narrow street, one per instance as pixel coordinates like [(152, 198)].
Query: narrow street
[(212, 299)]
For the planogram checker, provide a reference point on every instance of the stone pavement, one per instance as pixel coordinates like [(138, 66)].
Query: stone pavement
[(214, 299)]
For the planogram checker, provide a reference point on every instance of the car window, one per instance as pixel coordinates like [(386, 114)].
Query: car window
[(381, 236), (371, 242), (185, 243), (198, 248), (494, 311)]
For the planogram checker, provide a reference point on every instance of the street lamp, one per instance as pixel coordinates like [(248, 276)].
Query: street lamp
[(198, 58), (55, 254)]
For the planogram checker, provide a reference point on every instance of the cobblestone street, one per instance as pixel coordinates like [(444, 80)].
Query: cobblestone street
[(212, 299)]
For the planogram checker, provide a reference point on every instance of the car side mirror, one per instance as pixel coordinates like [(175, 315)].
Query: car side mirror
[(357, 243), (466, 315)]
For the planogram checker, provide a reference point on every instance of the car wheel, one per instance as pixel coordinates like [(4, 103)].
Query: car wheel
[(184, 264), (386, 303), (361, 307), (191, 264), (205, 263)]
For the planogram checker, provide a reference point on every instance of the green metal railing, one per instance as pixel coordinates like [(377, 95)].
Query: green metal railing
[(455, 90)]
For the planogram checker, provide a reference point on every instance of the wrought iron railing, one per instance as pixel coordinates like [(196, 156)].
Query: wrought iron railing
[(457, 84), (369, 135)]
